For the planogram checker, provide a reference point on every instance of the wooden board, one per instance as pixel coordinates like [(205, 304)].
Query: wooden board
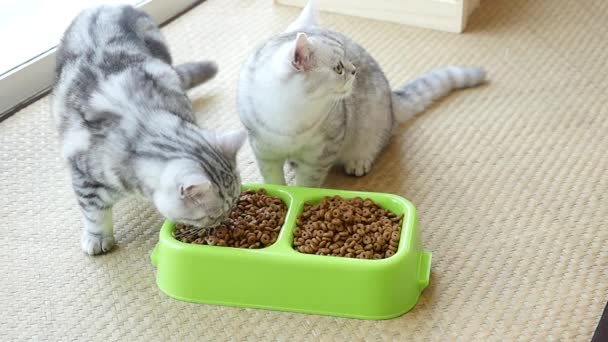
[(444, 15)]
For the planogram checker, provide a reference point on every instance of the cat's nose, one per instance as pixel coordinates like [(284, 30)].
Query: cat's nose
[(353, 69)]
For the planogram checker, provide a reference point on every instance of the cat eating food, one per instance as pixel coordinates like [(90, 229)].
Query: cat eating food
[(315, 98), (126, 126)]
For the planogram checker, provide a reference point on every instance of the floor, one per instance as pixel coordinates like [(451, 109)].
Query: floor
[(510, 180)]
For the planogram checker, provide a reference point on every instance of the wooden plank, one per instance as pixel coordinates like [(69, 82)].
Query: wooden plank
[(444, 15)]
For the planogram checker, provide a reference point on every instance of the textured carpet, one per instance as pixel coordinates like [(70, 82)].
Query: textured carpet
[(510, 180)]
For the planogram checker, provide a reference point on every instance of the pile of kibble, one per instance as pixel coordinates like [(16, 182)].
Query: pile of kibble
[(254, 223), (352, 228)]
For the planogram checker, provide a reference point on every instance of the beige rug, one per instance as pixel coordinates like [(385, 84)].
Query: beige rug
[(510, 180)]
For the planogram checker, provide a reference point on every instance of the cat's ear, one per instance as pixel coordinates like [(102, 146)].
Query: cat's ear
[(230, 143), (301, 52), (307, 19), (195, 187)]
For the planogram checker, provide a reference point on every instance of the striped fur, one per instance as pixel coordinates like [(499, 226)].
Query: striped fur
[(191, 74), (414, 97), (127, 126), (314, 98)]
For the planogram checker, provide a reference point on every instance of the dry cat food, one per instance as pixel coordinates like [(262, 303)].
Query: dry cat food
[(254, 223), (352, 228)]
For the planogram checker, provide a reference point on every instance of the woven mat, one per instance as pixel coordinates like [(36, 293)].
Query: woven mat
[(510, 181)]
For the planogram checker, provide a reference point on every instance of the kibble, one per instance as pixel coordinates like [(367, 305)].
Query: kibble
[(255, 222), (351, 228)]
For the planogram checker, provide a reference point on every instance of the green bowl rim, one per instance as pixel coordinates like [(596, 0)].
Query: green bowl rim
[(405, 241)]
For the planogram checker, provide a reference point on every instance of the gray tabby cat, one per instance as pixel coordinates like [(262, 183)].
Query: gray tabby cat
[(315, 98), (127, 126)]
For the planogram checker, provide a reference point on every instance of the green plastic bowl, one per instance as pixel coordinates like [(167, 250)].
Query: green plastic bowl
[(280, 278)]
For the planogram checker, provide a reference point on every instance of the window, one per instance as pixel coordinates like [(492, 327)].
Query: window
[(30, 31)]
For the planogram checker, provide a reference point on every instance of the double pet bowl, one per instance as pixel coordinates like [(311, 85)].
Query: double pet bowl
[(280, 278)]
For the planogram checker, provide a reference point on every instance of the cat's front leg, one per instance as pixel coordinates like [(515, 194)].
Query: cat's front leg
[(311, 175), (272, 170), (98, 234), (358, 167)]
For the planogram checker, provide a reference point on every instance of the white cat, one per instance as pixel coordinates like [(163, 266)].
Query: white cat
[(315, 98)]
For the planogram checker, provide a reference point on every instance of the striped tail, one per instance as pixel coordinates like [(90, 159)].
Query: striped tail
[(414, 97), (195, 73)]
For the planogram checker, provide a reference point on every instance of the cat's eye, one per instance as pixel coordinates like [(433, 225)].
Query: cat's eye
[(339, 69)]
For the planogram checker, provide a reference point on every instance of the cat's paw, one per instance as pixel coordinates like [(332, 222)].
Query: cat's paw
[(358, 167), (94, 244)]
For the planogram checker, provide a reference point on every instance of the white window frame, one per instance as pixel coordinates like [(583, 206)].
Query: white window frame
[(29, 81)]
